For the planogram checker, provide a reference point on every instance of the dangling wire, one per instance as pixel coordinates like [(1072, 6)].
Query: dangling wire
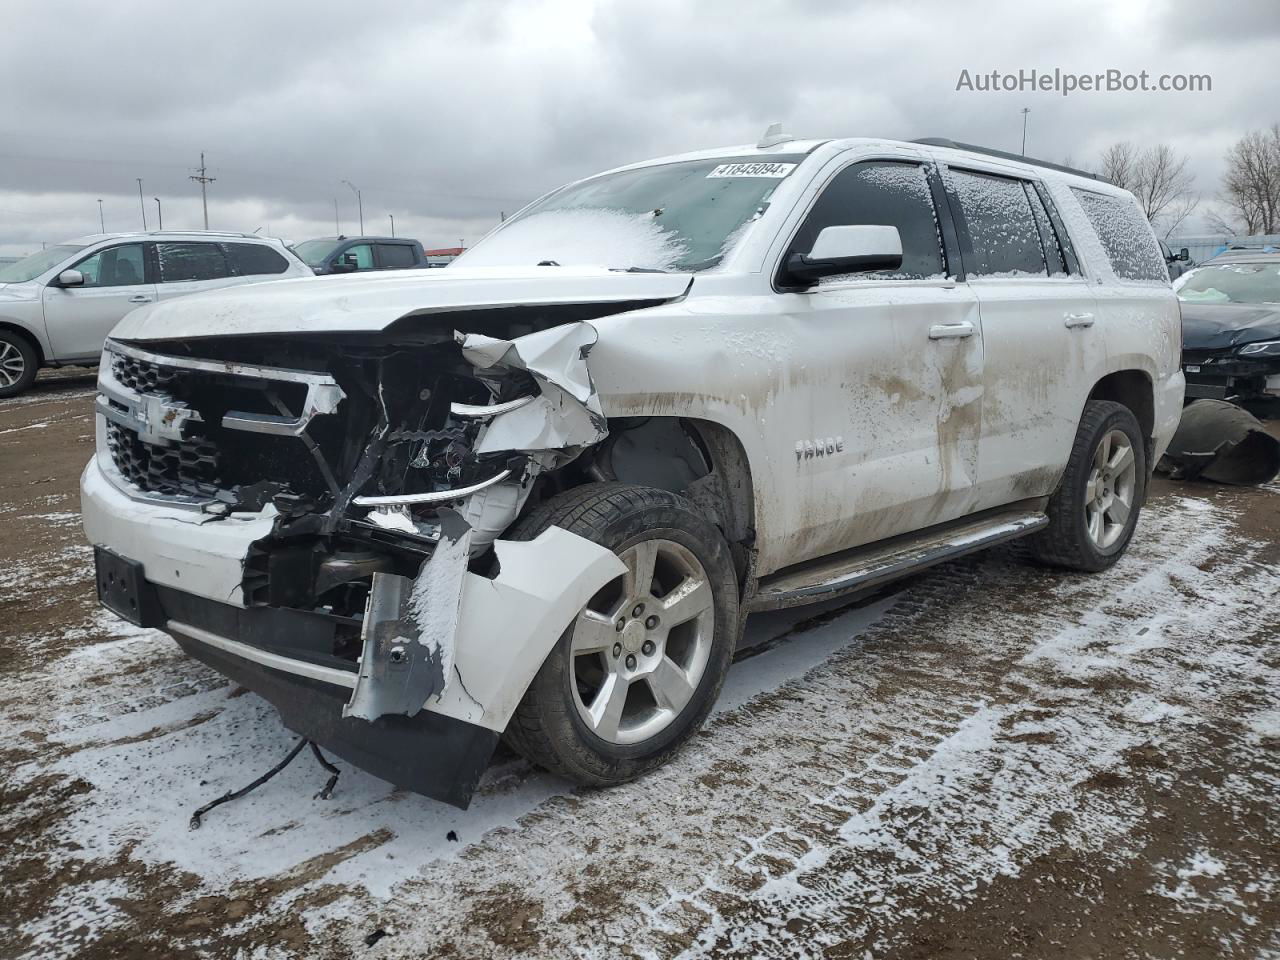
[(237, 794)]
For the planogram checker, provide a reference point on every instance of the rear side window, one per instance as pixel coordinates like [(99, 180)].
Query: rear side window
[(191, 261), (395, 255), (1126, 236), (1002, 227), (883, 193), (255, 259)]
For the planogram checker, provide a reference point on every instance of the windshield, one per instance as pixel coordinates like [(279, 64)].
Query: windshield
[(673, 216), (1233, 283), (31, 267), (315, 253)]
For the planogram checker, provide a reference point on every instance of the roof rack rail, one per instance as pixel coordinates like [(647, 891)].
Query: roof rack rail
[(974, 148), (213, 233)]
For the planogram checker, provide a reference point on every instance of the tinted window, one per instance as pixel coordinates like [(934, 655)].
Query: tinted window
[(191, 261), (396, 255), (250, 259), (881, 193), (114, 267), (1048, 236), (1126, 236), (361, 255), (1002, 228)]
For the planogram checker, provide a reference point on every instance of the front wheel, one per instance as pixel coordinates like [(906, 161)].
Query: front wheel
[(1093, 514), (636, 673), (18, 363)]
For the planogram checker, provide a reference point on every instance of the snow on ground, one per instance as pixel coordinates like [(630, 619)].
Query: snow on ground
[(990, 727)]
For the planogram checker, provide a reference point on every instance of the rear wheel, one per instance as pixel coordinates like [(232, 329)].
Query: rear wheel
[(635, 674), (1093, 514), (18, 363)]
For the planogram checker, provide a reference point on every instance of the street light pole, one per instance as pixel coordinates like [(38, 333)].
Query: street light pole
[(159, 212), (393, 223), (1025, 111), (142, 203), (102, 220), (359, 203), (337, 226)]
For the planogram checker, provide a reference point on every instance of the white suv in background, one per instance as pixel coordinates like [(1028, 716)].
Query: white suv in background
[(57, 306)]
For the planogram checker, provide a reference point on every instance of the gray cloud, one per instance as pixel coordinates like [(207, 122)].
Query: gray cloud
[(445, 115)]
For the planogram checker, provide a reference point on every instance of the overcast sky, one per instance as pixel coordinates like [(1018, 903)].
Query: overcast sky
[(446, 114)]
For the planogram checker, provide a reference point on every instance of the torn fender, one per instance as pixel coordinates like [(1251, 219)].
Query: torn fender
[(567, 413), (508, 624)]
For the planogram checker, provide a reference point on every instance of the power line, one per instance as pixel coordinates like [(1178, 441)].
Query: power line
[(204, 181)]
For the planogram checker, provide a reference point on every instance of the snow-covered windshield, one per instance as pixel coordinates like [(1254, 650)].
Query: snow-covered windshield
[(1232, 283), (28, 268), (683, 216)]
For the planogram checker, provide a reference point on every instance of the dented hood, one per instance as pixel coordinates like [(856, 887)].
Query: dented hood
[(1216, 326), (354, 304)]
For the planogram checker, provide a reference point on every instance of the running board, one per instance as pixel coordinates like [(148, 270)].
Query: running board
[(877, 564)]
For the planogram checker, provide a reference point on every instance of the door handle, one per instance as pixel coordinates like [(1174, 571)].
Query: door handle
[(139, 299), (1074, 320), (950, 331)]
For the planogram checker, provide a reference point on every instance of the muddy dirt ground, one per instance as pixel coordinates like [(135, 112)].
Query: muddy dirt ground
[(993, 760)]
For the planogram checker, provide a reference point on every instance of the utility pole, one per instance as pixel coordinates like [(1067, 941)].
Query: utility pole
[(359, 203), (143, 204), (393, 223), (1025, 111), (159, 212), (204, 181), (102, 220)]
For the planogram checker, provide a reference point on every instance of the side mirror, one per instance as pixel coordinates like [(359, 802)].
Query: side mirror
[(345, 265), (71, 278), (1184, 254), (847, 249)]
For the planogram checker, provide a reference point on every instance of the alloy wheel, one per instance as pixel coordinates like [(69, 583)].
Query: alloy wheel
[(640, 647), (12, 364), (1111, 488)]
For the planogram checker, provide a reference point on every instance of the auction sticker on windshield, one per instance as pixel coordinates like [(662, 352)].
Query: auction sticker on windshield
[(776, 170)]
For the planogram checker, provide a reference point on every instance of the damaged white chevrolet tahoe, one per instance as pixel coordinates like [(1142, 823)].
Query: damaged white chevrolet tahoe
[(535, 495)]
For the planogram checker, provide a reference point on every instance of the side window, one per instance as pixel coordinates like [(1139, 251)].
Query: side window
[(395, 255), (1002, 228), (255, 259), (114, 267), (1053, 254), (361, 255), (1126, 236), (191, 261), (888, 193)]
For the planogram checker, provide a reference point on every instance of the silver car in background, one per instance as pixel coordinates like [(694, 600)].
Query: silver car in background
[(57, 306)]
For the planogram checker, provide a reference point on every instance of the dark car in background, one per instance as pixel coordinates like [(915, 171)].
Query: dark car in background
[(360, 254), (1231, 326), (1177, 263)]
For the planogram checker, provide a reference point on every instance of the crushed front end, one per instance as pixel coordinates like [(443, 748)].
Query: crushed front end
[(321, 518)]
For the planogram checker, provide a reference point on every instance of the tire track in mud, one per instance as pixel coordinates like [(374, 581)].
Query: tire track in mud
[(962, 738)]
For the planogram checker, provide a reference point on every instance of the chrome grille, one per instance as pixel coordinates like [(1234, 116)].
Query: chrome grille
[(185, 468), (141, 375)]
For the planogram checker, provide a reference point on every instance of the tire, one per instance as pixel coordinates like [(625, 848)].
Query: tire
[(1089, 525), (19, 363), (555, 725)]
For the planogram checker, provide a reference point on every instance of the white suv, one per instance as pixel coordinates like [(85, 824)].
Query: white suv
[(57, 306), (536, 494)]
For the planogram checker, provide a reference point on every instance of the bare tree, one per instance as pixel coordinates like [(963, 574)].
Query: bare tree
[(1251, 185), (1119, 164), (1157, 176)]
